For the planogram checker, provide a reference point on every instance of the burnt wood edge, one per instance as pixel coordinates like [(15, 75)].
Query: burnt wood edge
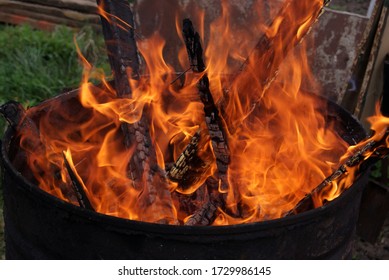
[(78, 186), (364, 158), (212, 116)]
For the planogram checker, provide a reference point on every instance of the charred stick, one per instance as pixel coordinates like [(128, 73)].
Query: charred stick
[(18, 119), (266, 57), (118, 28), (212, 116), (189, 203), (367, 155), (189, 167), (180, 168), (207, 213), (28, 133), (31, 145), (13, 112), (203, 216), (78, 186), (385, 94)]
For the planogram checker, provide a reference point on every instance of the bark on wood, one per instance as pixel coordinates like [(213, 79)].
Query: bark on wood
[(78, 186), (212, 116), (181, 167), (49, 18), (118, 30), (385, 94), (189, 204), (143, 169), (47, 13), (31, 146), (368, 72), (207, 213), (189, 167), (17, 118), (88, 6), (367, 155), (17, 19)]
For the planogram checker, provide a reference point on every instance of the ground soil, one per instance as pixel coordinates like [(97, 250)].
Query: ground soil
[(378, 251)]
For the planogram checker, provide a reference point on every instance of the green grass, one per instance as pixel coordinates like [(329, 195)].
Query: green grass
[(35, 65)]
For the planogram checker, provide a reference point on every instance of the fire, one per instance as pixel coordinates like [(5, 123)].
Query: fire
[(279, 141), (366, 152)]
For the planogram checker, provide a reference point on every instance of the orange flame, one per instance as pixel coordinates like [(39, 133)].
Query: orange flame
[(378, 144), (280, 145)]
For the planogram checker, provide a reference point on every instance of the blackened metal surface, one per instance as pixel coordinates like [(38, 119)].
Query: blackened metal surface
[(40, 226)]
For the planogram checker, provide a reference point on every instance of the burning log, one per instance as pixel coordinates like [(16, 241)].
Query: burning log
[(206, 214), (17, 118), (264, 52), (265, 57), (180, 168), (77, 184), (212, 116), (189, 167), (32, 144), (118, 29), (368, 154), (190, 203)]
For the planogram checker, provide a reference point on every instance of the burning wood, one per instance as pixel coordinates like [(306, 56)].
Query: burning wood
[(274, 156), (206, 214), (212, 116), (368, 154), (264, 52), (18, 119), (31, 144), (264, 61), (189, 167), (118, 28), (78, 185)]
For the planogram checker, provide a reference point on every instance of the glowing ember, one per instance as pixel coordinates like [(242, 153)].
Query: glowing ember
[(280, 145)]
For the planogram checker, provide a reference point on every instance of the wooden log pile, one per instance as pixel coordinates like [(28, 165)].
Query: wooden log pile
[(46, 14)]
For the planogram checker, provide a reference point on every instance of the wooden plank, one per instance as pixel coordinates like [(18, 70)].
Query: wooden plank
[(349, 95), (52, 11), (374, 91), (372, 61), (48, 18), (88, 6), (50, 14), (17, 19)]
